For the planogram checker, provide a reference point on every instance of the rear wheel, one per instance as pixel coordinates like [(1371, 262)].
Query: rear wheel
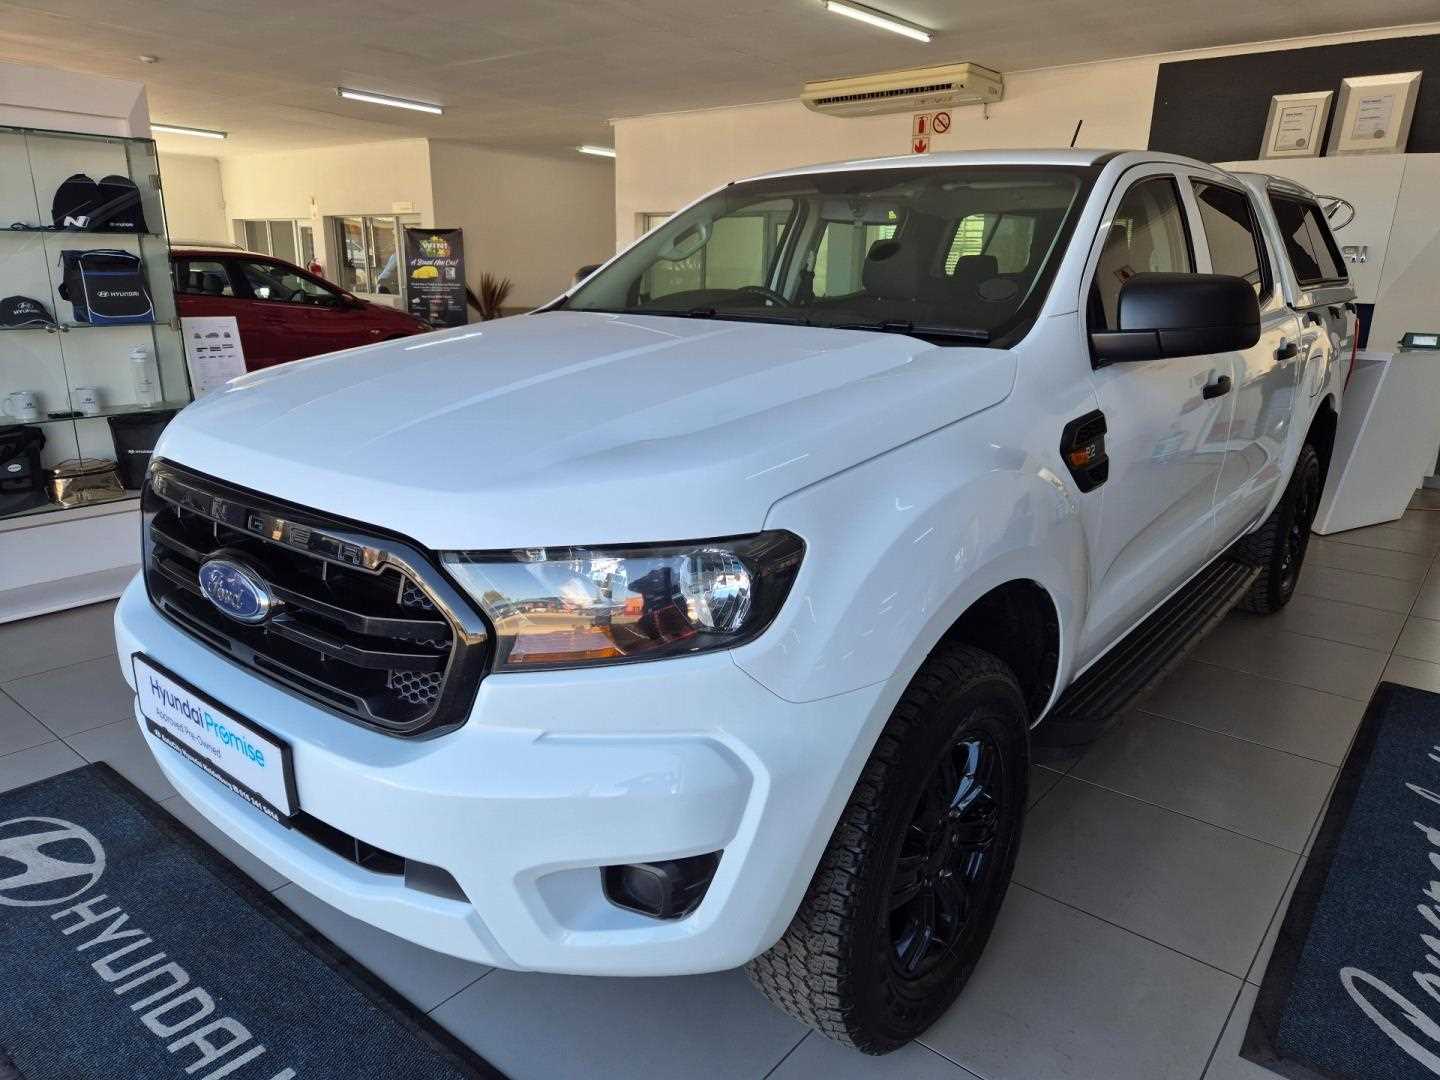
[(1278, 547), (908, 889)]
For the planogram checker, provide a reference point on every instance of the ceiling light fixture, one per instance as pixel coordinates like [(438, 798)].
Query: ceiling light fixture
[(878, 18), (394, 102), (199, 133), (597, 151)]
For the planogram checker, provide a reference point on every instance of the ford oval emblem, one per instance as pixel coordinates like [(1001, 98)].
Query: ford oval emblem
[(236, 590)]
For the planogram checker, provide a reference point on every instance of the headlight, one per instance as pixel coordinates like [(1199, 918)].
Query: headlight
[(563, 607)]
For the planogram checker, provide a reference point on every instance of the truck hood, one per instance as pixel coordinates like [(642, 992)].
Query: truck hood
[(576, 428)]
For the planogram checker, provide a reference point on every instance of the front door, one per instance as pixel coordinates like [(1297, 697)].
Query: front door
[(302, 315), (1167, 421)]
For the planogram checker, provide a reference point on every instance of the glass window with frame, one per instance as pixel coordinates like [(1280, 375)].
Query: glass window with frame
[(271, 281), (1149, 235), (732, 253), (203, 277), (844, 246), (1308, 244), (1232, 234)]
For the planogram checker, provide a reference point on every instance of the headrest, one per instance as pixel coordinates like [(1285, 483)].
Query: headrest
[(212, 283), (972, 269), (892, 270)]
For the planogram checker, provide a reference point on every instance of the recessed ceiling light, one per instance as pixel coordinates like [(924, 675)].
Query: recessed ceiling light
[(394, 102), (878, 18), (598, 151), (199, 133)]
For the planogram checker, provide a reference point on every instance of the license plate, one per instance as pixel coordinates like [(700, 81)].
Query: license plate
[(248, 760)]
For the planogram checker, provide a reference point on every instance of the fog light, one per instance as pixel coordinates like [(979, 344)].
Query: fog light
[(668, 889)]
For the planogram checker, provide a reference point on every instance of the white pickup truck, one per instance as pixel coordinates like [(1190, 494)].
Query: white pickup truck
[(709, 615)]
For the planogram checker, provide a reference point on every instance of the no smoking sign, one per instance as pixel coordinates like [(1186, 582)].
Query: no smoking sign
[(925, 125)]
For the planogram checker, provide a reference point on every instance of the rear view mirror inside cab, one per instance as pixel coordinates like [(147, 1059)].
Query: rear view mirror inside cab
[(1161, 315)]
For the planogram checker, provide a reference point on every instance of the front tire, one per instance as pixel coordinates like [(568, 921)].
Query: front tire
[(908, 889), (1278, 547)]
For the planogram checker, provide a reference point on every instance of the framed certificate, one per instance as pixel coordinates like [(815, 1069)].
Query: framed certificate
[(1296, 124), (1374, 114)]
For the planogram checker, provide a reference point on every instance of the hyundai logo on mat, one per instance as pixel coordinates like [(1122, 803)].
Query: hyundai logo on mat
[(236, 590), (58, 861)]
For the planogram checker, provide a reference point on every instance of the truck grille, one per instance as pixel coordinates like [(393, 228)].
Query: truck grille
[(363, 623)]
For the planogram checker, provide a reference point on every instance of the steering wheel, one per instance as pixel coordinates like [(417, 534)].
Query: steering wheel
[(764, 291)]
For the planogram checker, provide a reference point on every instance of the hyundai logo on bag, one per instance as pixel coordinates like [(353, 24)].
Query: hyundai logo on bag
[(236, 590)]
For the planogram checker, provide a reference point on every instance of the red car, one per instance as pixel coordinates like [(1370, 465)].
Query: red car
[(284, 313)]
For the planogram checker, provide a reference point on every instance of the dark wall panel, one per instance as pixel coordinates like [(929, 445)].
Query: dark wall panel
[(1215, 109)]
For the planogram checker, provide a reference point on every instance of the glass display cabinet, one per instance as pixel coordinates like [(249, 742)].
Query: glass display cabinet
[(88, 378)]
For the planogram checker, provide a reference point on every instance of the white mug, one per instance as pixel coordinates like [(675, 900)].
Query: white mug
[(86, 399), (22, 405)]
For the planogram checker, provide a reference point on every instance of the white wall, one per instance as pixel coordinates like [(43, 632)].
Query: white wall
[(665, 161), (69, 101), (194, 197), (534, 220)]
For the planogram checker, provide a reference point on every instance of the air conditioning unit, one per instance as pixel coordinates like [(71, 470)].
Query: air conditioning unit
[(915, 90)]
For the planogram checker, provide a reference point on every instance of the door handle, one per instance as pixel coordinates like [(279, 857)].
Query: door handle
[(1219, 388), (1287, 351)]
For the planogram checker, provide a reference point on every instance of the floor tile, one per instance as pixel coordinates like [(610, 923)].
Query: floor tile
[(1388, 594), (549, 1027), (121, 746), (50, 641), (75, 698), (1281, 715), (1410, 672), (1061, 995), (1261, 959), (1201, 890), (1042, 779), (1391, 537), (1420, 640), (18, 729), (1417, 520), (263, 875), (818, 1056), (1368, 560), (1226, 1063), (1331, 666), (1264, 794), (38, 762), (426, 978), (1353, 624), (1427, 498), (1427, 603)]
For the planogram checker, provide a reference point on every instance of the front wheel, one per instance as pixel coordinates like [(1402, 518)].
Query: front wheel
[(1278, 547), (908, 889)]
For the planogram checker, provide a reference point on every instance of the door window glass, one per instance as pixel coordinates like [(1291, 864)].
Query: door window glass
[(203, 277), (1308, 244), (1231, 234), (270, 281), (731, 252), (1149, 235)]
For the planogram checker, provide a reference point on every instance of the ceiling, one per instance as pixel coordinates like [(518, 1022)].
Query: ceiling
[(546, 75)]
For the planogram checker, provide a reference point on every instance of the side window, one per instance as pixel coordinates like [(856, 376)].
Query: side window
[(840, 255), (202, 277), (1308, 244), (1231, 234), (271, 281), (1149, 235), (738, 252)]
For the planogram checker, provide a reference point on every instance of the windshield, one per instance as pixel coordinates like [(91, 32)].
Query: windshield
[(954, 253)]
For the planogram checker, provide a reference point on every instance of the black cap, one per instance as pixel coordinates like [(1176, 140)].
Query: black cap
[(18, 311)]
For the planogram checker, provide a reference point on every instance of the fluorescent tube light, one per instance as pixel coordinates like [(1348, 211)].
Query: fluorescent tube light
[(394, 102), (201, 133), (878, 18), (597, 151)]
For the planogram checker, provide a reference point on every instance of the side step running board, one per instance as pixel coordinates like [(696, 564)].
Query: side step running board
[(1146, 655)]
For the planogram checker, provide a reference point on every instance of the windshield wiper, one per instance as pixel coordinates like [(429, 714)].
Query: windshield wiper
[(920, 330), (720, 313)]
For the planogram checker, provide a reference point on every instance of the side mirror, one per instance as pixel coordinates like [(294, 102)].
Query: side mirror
[(584, 272), (1160, 315)]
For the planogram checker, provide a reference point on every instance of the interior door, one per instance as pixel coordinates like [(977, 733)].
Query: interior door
[(1266, 374), (1167, 422)]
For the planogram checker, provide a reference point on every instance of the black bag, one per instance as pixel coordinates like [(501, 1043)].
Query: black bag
[(22, 481), (106, 288), (135, 436), (119, 209), (75, 203)]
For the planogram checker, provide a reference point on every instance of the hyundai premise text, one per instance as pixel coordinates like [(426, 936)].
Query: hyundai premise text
[(709, 616)]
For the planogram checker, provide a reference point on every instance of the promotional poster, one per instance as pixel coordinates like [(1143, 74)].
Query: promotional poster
[(435, 269)]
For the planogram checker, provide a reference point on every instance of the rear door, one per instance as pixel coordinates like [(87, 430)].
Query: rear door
[(1167, 423), (1230, 241)]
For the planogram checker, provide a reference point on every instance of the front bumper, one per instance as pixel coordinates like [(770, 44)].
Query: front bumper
[(555, 775)]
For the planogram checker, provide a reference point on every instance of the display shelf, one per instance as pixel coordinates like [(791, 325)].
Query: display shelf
[(50, 362)]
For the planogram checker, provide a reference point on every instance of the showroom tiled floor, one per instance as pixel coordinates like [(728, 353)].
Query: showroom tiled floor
[(1147, 893)]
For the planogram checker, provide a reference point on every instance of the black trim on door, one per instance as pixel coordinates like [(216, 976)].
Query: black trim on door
[(1082, 445)]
